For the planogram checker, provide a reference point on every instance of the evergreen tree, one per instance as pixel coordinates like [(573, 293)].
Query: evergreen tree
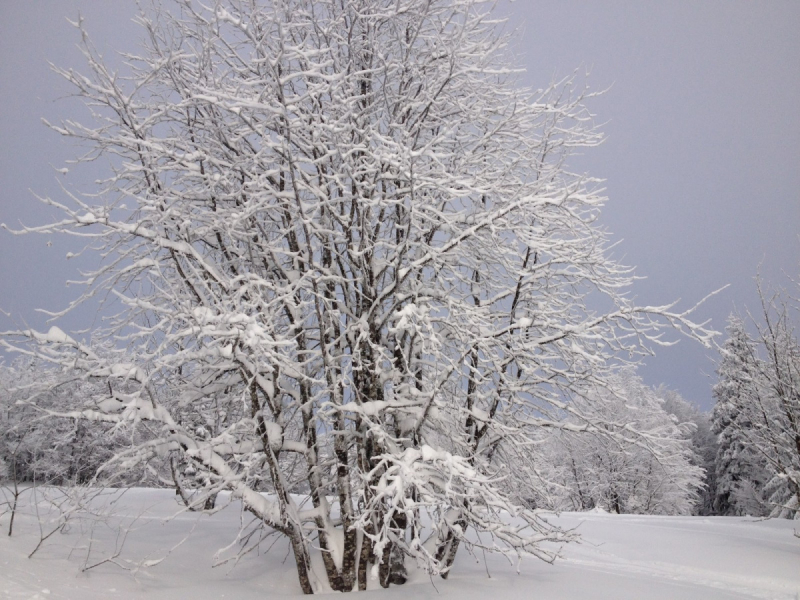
[(739, 470)]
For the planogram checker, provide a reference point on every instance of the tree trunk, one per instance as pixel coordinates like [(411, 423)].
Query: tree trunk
[(449, 555), (210, 502), (615, 503), (385, 568), (446, 553), (16, 497), (363, 560), (301, 561), (349, 560), (331, 571)]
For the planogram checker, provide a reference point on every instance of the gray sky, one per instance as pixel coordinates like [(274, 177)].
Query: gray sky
[(702, 159)]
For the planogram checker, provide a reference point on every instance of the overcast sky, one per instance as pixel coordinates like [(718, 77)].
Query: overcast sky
[(702, 157)]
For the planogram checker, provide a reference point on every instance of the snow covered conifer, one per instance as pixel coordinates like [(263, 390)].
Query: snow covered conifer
[(757, 415), (736, 461), (352, 264)]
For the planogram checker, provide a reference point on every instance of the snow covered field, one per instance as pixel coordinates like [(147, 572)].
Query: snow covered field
[(621, 557)]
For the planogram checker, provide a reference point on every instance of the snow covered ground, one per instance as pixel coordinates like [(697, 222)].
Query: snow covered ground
[(621, 557)]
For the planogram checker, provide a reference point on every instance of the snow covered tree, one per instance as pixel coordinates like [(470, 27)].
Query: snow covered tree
[(703, 442), (757, 416), (39, 448), (654, 471), (739, 469), (775, 429), (349, 261)]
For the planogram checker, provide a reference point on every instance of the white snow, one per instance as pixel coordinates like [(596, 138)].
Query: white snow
[(621, 557), (56, 336), (274, 435), (87, 219)]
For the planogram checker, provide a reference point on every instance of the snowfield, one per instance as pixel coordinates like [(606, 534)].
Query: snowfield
[(620, 557)]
